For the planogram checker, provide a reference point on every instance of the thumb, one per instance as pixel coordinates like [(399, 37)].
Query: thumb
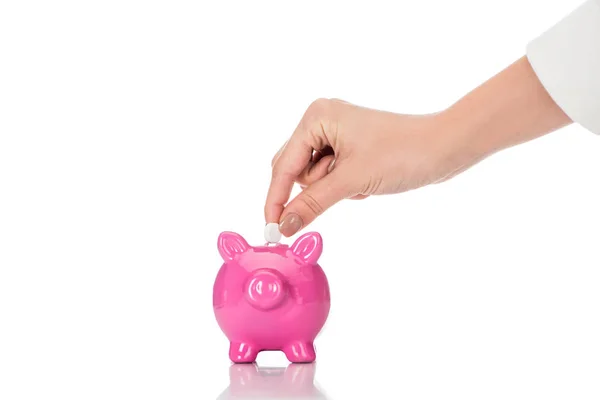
[(314, 201)]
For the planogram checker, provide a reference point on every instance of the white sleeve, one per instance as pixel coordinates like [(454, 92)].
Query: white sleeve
[(566, 59)]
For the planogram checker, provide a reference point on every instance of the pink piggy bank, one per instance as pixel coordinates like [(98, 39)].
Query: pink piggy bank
[(272, 297)]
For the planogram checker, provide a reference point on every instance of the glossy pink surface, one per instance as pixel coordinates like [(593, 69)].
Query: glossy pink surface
[(271, 297)]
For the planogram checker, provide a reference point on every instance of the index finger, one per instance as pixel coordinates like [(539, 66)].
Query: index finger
[(294, 157)]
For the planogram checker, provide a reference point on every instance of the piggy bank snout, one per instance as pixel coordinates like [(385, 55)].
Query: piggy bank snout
[(265, 289)]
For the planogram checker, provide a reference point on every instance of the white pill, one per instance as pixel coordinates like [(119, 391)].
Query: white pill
[(272, 234)]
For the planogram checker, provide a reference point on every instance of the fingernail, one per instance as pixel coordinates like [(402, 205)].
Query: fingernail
[(291, 224), (330, 167)]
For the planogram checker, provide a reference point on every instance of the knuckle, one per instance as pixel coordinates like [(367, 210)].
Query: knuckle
[(312, 204), (275, 170), (281, 174), (276, 176), (318, 108), (318, 120)]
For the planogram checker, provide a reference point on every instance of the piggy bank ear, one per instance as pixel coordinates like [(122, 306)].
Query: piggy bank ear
[(308, 247), (230, 244)]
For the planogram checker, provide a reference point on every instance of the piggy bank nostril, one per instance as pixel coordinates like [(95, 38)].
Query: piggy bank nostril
[(264, 290)]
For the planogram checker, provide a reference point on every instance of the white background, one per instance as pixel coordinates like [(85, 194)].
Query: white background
[(133, 132)]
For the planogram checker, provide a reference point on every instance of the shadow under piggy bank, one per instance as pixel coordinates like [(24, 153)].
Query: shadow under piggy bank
[(249, 381)]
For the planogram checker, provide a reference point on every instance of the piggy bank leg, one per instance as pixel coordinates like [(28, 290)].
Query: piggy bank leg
[(240, 352), (300, 352)]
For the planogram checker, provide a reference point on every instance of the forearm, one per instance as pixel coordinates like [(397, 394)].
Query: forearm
[(555, 84), (511, 108)]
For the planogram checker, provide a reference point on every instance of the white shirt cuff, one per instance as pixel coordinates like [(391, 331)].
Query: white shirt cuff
[(566, 59)]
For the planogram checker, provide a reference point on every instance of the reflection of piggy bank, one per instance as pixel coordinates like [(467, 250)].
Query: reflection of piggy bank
[(296, 381), (271, 297)]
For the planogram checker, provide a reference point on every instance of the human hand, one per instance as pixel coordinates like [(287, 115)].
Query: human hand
[(343, 151)]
